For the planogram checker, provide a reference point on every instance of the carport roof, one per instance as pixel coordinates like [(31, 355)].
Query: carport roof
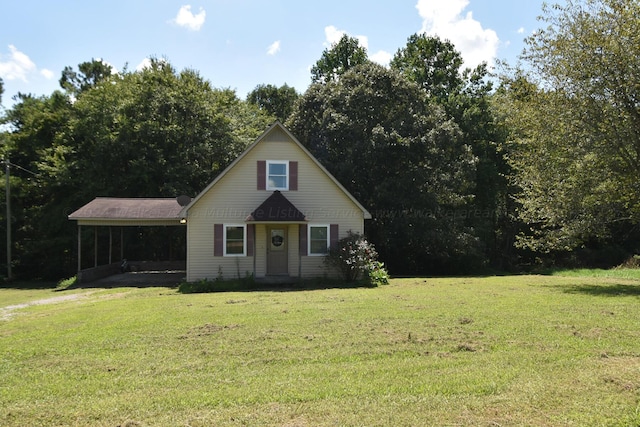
[(129, 211)]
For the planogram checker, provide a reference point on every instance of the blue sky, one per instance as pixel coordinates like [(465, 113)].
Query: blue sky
[(239, 44)]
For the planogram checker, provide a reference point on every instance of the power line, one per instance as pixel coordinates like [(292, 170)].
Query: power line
[(20, 167), (8, 166), (7, 187)]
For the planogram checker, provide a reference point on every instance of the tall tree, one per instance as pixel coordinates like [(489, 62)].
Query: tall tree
[(432, 63), (277, 101), (35, 126), (576, 146), (1, 89), (466, 96), (338, 59), (158, 132), (399, 155), (89, 74), (155, 132)]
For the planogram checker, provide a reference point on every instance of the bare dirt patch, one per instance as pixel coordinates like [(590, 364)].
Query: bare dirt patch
[(9, 311), (206, 330), (622, 372)]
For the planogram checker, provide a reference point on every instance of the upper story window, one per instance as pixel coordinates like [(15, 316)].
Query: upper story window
[(277, 175)]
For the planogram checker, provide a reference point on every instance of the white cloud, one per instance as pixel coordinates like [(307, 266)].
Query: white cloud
[(185, 18), (47, 74), (333, 36), (381, 57), (145, 63), (114, 70), (16, 65), (274, 48), (446, 20), (521, 30)]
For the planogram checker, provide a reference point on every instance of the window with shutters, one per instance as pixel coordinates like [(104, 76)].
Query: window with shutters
[(277, 175), (235, 240), (318, 239)]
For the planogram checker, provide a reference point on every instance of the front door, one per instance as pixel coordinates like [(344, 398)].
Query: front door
[(277, 254)]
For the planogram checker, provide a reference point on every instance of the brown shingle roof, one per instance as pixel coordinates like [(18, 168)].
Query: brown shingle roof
[(276, 208), (129, 208)]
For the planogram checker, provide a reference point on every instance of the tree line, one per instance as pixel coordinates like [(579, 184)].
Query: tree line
[(464, 170)]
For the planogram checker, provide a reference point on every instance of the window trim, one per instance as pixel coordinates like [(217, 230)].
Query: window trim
[(287, 175), (309, 239), (224, 239)]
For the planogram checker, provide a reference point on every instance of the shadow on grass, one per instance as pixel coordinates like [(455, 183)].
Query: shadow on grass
[(144, 279), (604, 290), (250, 285), (27, 285), (175, 280)]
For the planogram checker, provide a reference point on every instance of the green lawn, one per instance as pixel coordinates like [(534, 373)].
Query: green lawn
[(495, 351)]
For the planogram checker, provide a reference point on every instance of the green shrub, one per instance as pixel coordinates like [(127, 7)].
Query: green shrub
[(632, 262), (67, 283), (357, 259), (378, 275)]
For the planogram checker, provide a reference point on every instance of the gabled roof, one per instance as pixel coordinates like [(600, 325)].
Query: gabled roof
[(276, 208), (279, 125), (114, 208)]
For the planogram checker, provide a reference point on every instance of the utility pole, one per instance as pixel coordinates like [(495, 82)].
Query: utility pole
[(7, 190)]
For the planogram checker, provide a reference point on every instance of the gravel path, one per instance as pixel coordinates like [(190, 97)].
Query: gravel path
[(138, 279), (8, 312)]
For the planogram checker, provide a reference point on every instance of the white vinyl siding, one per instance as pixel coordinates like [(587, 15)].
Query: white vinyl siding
[(235, 196)]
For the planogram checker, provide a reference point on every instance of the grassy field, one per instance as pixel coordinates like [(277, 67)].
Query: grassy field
[(557, 350)]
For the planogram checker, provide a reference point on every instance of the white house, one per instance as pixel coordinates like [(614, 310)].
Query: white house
[(271, 214)]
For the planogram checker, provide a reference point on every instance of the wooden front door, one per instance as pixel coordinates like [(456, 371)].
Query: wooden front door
[(277, 253)]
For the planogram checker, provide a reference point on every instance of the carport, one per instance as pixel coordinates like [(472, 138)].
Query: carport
[(119, 213)]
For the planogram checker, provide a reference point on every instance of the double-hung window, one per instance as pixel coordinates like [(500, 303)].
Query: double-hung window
[(318, 239), (235, 240), (277, 175)]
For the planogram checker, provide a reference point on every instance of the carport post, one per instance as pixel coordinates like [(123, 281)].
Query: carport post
[(95, 246), (79, 248)]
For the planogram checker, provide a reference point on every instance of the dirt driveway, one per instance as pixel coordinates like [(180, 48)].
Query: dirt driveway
[(8, 312), (137, 279)]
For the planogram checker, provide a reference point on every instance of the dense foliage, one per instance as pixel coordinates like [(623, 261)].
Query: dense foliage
[(338, 59), (398, 154), (459, 176), (421, 150), (574, 118), (277, 101), (152, 133)]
